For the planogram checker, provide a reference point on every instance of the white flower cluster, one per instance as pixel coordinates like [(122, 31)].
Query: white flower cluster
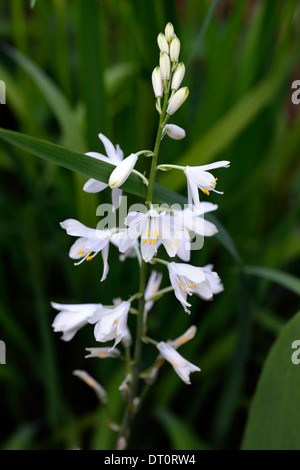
[(145, 232)]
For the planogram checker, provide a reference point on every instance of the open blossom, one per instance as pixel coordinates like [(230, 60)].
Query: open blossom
[(114, 155), (111, 323), (199, 178), (155, 229), (188, 280), (182, 367), (91, 242), (72, 318), (152, 288)]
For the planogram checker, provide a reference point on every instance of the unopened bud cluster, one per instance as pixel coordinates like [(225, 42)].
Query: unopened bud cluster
[(168, 76)]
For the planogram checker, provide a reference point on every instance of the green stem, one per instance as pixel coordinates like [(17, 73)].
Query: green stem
[(130, 410)]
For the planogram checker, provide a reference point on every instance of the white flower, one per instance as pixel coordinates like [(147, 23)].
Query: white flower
[(122, 171), (91, 241), (182, 367), (111, 323), (169, 32), (152, 288), (102, 353), (72, 317), (188, 280), (154, 229), (157, 83), (174, 49), (91, 382), (173, 131), (178, 76), (199, 177), (177, 100), (114, 156), (162, 43), (184, 338), (165, 66)]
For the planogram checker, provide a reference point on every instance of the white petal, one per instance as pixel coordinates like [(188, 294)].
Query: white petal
[(105, 263), (110, 149), (116, 194), (94, 186)]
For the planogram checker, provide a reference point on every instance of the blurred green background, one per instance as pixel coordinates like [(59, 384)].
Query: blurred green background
[(74, 68)]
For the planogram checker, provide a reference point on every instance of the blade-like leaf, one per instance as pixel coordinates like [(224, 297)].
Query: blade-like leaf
[(275, 275), (274, 417)]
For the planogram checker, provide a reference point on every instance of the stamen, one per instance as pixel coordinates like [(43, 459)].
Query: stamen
[(180, 282), (89, 258), (205, 191), (115, 322), (148, 233), (81, 252), (144, 241)]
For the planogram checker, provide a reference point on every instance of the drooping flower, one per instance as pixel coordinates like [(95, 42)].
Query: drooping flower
[(181, 366), (111, 323), (91, 242), (122, 171), (199, 178), (72, 318), (114, 155), (102, 353), (152, 288), (188, 280), (173, 131), (91, 382)]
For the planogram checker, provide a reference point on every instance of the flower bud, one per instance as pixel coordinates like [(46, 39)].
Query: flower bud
[(169, 32), (122, 171), (157, 83), (178, 76), (177, 100), (175, 132), (162, 43), (165, 66), (174, 49)]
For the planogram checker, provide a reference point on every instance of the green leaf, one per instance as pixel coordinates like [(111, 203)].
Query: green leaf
[(274, 418), (180, 433), (68, 118), (286, 280)]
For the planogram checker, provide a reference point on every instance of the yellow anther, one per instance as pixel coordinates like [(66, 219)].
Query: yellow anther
[(115, 322), (89, 258), (216, 179), (80, 252), (205, 191), (188, 285), (144, 242), (148, 233), (150, 241), (102, 354), (194, 285), (180, 282), (154, 241), (185, 289)]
